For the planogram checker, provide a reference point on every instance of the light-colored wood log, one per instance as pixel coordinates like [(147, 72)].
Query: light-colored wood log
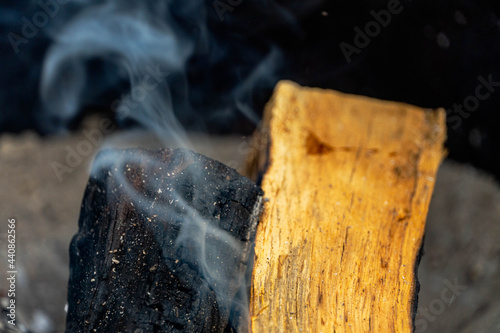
[(348, 181)]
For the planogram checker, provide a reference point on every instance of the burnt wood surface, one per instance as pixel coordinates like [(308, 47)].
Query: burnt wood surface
[(163, 245)]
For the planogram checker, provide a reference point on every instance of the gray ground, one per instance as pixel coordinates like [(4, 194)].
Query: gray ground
[(461, 240)]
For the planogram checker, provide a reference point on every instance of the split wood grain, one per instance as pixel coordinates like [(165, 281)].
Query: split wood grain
[(348, 181)]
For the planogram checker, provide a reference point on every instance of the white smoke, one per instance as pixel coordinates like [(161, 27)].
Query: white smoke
[(146, 49), (151, 45)]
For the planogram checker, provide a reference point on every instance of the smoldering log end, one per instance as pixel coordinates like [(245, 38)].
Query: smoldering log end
[(164, 242)]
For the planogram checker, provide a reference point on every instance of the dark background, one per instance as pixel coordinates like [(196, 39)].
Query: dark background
[(430, 54)]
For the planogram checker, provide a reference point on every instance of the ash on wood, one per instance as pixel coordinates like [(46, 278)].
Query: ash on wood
[(349, 180), (163, 245)]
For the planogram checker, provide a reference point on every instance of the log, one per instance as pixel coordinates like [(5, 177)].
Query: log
[(348, 181), (163, 245)]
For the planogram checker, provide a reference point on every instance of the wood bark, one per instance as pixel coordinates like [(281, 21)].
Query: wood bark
[(163, 245), (347, 181)]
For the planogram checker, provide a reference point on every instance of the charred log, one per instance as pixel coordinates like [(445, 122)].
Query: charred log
[(164, 242)]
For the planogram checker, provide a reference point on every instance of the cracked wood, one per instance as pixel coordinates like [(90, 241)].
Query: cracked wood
[(348, 181)]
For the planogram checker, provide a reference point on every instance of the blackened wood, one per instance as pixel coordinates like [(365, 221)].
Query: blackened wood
[(163, 244)]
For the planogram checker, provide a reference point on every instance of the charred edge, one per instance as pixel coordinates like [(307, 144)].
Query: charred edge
[(239, 318), (267, 161), (414, 301)]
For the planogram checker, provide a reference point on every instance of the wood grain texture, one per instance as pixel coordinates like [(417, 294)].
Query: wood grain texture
[(348, 181)]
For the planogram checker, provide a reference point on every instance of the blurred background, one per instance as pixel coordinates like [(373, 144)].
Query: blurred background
[(80, 75)]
